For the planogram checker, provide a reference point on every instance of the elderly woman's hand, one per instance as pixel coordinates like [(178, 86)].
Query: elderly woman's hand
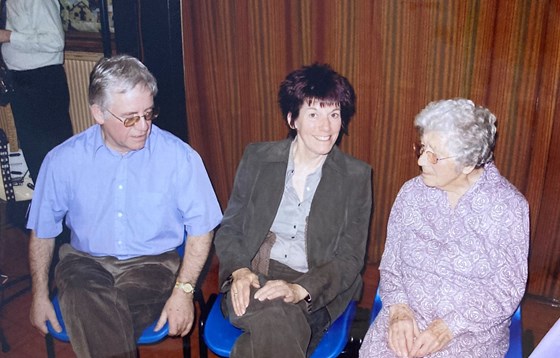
[(434, 338), (402, 329), (243, 279), (290, 292)]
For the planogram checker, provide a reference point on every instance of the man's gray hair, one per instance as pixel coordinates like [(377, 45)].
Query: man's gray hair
[(120, 74)]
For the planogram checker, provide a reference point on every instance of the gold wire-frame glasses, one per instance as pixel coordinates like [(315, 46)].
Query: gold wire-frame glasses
[(150, 115), (420, 149)]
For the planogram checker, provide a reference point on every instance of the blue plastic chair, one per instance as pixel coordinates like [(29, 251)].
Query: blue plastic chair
[(220, 335), (515, 329), (515, 336), (149, 336)]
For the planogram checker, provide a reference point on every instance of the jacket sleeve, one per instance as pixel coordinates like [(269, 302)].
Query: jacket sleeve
[(232, 247)]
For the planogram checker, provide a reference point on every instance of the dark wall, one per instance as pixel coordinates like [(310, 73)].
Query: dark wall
[(151, 31)]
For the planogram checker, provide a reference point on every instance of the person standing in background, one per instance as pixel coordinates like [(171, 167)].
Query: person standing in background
[(32, 47)]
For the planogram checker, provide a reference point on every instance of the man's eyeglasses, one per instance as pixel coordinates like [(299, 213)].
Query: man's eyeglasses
[(420, 149), (130, 121)]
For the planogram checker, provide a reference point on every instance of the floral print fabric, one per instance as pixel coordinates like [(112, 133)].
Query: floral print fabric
[(466, 265)]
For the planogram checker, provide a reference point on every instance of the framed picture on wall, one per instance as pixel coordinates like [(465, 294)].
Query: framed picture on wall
[(81, 20)]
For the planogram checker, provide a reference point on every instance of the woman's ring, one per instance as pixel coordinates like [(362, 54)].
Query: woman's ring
[(235, 293)]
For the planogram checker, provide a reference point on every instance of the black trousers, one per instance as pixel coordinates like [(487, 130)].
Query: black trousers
[(275, 328), (107, 303), (40, 106)]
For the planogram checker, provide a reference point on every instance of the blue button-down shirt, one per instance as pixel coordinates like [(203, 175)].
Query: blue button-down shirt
[(127, 205)]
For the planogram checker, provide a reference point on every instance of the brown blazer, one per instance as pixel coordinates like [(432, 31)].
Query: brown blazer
[(337, 228)]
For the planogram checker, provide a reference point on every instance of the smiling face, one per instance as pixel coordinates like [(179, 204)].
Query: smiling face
[(317, 128), (123, 139)]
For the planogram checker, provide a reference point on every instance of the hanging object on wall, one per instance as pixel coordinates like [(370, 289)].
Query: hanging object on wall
[(85, 15)]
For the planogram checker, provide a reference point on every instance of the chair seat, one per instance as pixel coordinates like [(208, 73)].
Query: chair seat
[(515, 349), (220, 334), (149, 336)]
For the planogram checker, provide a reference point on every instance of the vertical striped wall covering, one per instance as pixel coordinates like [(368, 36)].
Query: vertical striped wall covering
[(399, 54), (78, 66)]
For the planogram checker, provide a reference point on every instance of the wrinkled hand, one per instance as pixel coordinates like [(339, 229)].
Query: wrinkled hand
[(42, 311), (179, 312), (431, 340), (243, 280), (402, 329), (290, 292)]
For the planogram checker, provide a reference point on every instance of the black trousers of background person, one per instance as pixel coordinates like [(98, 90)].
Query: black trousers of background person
[(275, 329), (40, 106), (107, 303)]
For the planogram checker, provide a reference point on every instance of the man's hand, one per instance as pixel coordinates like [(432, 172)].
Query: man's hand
[(179, 312), (434, 338), (243, 280), (42, 311), (402, 329)]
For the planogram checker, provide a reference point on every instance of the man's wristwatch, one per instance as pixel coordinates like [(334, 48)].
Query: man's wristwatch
[(187, 287)]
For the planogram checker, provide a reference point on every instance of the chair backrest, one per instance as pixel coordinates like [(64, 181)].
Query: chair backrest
[(515, 349)]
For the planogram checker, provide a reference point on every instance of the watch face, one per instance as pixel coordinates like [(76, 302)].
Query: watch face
[(185, 286)]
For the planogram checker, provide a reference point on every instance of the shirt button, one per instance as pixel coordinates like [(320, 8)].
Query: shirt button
[(120, 186), (294, 226), (119, 214)]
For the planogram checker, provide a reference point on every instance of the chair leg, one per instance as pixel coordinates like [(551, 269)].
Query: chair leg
[(4, 341), (201, 325), (187, 346), (203, 350), (49, 341), (203, 353)]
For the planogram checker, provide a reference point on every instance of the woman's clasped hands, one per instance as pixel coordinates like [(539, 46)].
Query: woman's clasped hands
[(406, 339)]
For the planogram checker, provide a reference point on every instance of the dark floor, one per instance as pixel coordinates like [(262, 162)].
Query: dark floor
[(25, 341)]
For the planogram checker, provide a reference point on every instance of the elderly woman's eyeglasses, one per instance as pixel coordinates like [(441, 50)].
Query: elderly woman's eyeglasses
[(420, 149), (130, 121)]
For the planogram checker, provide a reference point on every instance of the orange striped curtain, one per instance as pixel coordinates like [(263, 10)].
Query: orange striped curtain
[(399, 54)]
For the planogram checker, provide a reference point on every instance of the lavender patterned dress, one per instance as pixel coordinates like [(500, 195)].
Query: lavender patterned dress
[(466, 265)]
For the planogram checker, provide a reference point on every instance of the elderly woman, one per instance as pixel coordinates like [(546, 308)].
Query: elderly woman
[(292, 242), (455, 262)]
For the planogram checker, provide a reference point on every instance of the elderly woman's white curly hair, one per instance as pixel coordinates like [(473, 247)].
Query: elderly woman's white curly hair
[(468, 130)]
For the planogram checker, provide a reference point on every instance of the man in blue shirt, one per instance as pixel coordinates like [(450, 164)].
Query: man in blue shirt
[(127, 191)]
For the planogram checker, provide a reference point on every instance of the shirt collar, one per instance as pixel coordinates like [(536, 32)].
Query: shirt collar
[(99, 143)]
